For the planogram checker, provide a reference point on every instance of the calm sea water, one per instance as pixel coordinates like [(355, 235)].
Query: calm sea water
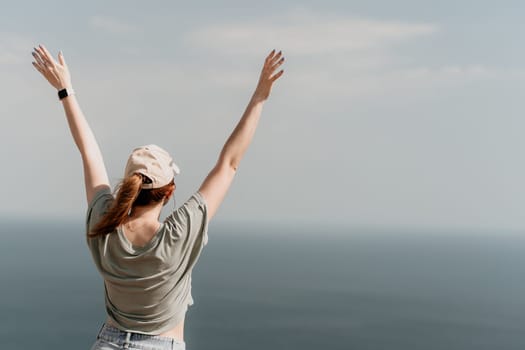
[(285, 288)]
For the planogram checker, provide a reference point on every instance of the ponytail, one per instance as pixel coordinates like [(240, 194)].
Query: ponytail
[(127, 193)]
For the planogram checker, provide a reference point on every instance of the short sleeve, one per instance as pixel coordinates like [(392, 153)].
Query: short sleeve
[(98, 207), (189, 223)]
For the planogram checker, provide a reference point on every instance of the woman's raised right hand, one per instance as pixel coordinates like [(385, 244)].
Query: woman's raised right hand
[(56, 73), (268, 75)]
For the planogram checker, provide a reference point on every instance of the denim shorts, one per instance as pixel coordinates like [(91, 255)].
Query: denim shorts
[(111, 338)]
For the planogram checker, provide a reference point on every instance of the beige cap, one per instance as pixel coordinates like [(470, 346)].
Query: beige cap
[(154, 163)]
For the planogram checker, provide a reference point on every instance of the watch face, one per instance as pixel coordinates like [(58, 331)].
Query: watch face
[(62, 93), (65, 93)]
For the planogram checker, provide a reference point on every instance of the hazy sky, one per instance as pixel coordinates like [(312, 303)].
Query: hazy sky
[(390, 113)]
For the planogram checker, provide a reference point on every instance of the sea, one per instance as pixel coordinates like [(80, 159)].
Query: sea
[(270, 286)]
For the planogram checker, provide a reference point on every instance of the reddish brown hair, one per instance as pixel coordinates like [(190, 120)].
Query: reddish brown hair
[(129, 195)]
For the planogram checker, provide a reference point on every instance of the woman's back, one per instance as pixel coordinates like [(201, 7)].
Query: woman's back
[(139, 231), (148, 287)]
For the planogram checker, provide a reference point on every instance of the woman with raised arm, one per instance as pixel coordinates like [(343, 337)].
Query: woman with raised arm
[(146, 264)]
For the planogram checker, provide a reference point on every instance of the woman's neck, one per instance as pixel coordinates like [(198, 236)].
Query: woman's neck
[(148, 212)]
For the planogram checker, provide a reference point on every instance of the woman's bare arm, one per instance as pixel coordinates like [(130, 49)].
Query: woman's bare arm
[(218, 181), (57, 74)]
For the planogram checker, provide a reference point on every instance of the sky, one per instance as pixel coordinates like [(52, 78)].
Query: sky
[(390, 114)]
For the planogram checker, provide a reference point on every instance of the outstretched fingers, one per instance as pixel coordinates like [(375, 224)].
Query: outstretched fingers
[(48, 58), (39, 63), (55, 72), (273, 62), (37, 67), (270, 56), (38, 59), (41, 60), (276, 57), (61, 59), (276, 76), (277, 65)]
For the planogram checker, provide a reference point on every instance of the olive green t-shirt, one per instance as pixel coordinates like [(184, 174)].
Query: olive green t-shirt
[(148, 289)]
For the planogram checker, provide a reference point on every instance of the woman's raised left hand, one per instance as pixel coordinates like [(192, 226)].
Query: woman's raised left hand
[(55, 72)]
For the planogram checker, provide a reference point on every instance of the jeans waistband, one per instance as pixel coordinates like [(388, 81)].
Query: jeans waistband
[(124, 338)]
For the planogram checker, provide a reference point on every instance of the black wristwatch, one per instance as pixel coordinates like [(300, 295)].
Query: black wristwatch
[(65, 93)]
